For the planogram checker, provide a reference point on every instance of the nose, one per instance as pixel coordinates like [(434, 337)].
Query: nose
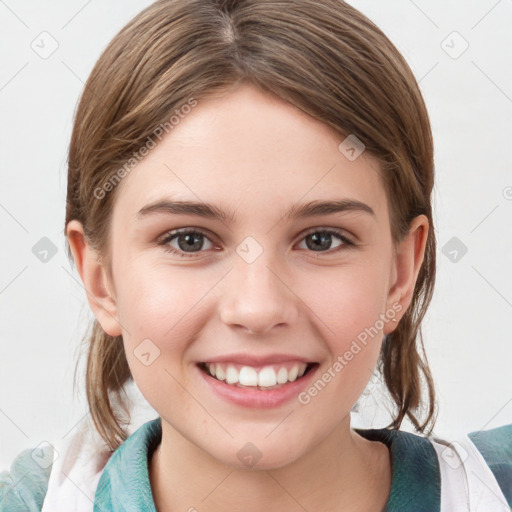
[(257, 297)]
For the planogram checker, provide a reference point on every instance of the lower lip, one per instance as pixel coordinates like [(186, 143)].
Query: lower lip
[(257, 398)]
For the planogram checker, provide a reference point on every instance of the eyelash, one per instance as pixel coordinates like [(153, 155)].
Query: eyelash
[(347, 244)]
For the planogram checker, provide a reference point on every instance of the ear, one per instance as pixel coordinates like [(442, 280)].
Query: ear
[(406, 266), (95, 279)]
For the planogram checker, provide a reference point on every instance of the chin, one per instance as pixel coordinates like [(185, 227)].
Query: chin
[(263, 456)]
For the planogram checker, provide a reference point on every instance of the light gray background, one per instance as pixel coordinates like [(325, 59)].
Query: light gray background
[(43, 311)]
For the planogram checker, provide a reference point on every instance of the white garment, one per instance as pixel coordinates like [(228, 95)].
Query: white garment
[(76, 470), (80, 460), (467, 482)]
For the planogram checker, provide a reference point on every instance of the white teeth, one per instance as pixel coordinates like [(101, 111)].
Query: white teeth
[(248, 376), (292, 374), (267, 377), (220, 373), (231, 375), (282, 376)]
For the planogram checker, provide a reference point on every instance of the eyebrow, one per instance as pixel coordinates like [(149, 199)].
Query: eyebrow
[(297, 211)]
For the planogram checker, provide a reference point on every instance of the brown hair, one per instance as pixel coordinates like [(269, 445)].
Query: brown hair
[(324, 57)]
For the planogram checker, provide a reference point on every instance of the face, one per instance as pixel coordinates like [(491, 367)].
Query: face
[(270, 284)]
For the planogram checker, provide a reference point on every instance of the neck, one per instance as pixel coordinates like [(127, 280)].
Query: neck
[(344, 472)]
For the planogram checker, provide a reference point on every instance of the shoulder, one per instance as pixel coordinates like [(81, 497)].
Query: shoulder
[(415, 470), (475, 468), (24, 486), (126, 473), (495, 446)]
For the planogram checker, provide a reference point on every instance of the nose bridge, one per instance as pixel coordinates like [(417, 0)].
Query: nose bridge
[(258, 298)]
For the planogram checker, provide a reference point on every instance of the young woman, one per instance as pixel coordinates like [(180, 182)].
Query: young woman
[(249, 210)]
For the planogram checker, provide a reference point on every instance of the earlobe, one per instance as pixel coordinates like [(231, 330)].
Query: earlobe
[(94, 278), (410, 253)]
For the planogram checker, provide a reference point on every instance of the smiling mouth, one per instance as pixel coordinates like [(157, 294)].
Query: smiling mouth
[(265, 378)]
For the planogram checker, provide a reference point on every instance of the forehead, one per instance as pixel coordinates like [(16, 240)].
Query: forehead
[(251, 152)]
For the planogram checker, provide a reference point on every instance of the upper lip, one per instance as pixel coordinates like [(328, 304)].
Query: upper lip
[(248, 360)]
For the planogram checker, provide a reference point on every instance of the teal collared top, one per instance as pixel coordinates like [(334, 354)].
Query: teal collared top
[(124, 484), (416, 482)]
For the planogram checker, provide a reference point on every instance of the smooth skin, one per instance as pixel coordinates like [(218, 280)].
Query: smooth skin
[(253, 155)]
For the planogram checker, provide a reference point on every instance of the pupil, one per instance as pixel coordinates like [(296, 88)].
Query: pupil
[(323, 239), (192, 241)]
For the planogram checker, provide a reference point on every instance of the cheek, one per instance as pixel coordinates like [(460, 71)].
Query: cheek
[(153, 299), (350, 308), (161, 310), (152, 309), (349, 301)]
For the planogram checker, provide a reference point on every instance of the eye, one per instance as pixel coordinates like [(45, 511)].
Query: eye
[(191, 241), (187, 240), (320, 240)]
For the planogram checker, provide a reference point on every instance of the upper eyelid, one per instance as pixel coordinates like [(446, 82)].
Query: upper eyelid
[(338, 231), (180, 231)]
